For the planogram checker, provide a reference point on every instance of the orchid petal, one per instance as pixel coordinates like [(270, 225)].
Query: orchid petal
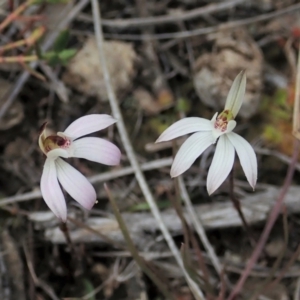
[(185, 126), (58, 152), (88, 124), (213, 120), (236, 94), (230, 126), (52, 192), (42, 137), (246, 155), (193, 147), (221, 164), (75, 184), (96, 149), (217, 133)]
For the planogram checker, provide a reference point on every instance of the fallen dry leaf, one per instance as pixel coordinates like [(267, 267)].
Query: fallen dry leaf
[(214, 72), (84, 72), (149, 104)]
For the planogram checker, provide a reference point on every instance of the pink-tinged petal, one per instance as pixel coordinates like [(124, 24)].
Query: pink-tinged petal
[(193, 147), (96, 149), (42, 137), (236, 94), (59, 152), (221, 164), (52, 192), (88, 124), (76, 185), (246, 155), (185, 126)]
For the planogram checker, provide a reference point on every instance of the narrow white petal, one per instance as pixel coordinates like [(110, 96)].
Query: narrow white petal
[(246, 155), (185, 126), (96, 149), (75, 184), (236, 94), (221, 164), (51, 190), (88, 124), (193, 147)]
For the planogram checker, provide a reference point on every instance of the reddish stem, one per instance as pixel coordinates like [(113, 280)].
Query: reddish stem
[(270, 223)]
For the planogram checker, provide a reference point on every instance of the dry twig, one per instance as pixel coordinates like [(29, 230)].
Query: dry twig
[(131, 155), (207, 30), (37, 281), (68, 17), (157, 20), (199, 227)]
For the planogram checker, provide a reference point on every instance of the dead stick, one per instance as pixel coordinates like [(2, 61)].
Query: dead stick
[(270, 223)]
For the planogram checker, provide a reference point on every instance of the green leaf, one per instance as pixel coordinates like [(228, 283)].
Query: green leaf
[(66, 55), (88, 288), (55, 58), (183, 105), (38, 50), (280, 97), (51, 58), (272, 134), (61, 41)]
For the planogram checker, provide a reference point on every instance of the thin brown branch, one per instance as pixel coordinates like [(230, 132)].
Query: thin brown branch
[(270, 223), (158, 20), (68, 17), (207, 30), (37, 281), (236, 203), (277, 207)]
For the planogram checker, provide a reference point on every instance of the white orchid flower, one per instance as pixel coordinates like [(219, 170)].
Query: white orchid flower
[(67, 144), (206, 133)]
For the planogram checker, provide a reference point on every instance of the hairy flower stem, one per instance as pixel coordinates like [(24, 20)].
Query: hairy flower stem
[(134, 252), (74, 257), (236, 203), (65, 230), (190, 238)]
